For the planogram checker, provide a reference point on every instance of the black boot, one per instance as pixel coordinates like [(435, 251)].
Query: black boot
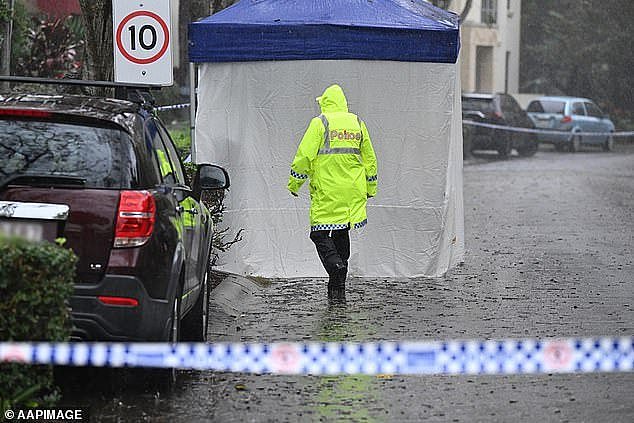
[(337, 283), (332, 282)]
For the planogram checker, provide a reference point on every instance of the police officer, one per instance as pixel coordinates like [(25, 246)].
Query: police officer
[(336, 154)]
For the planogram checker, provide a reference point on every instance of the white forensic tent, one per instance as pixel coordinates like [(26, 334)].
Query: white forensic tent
[(261, 65)]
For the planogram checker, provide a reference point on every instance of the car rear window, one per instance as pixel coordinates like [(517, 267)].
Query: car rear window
[(478, 104), (104, 157), (545, 106)]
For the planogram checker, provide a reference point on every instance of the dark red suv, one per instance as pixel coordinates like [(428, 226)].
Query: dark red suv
[(104, 175)]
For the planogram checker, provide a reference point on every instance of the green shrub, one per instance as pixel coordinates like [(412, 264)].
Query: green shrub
[(213, 200), (54, 48), (182, 140), (36, 280)]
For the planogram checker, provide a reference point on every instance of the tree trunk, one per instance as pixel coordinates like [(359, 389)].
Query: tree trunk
[(465, 11), (97, 16), (445, 4), (189, 11), (6, 40), (218, 5), (198, 9)]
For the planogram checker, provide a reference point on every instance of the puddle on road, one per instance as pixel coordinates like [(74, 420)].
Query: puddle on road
[(348, 397), (344, 397), (251, 311)]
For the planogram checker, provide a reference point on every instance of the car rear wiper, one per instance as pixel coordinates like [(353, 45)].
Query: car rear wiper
[(43, 179)]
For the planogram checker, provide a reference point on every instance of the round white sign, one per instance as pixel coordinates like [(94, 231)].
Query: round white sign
[(142, 37)]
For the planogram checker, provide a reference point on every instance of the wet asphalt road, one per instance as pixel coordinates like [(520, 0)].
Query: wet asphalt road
[(549, 253)]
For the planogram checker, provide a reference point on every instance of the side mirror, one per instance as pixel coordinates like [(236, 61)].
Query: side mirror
[(210, 177)]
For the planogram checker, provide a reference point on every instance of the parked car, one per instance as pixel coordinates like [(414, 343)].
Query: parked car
[(135, 221), (571, 115), (497, 109)]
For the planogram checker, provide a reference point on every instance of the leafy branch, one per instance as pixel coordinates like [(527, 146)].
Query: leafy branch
[(214, 200)]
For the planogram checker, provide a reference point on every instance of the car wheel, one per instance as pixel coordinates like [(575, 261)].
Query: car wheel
[(608, 144), (575, 144), (528, 148), (504, 148), (170, 375), (194, 328), (164, 379)]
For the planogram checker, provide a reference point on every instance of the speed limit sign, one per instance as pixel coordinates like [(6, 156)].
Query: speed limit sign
[(142, 49)]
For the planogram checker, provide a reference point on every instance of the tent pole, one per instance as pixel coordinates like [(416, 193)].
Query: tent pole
[(193, 89)]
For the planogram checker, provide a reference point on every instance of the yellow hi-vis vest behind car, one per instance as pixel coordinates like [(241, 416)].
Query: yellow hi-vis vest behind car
[(336, 154)]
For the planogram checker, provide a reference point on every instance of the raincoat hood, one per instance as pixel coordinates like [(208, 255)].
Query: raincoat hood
[(333, 100)]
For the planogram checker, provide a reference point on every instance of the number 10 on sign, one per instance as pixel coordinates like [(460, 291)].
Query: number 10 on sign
[(142, 42)]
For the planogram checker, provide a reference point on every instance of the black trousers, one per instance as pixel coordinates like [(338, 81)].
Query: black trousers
[(333, 248)]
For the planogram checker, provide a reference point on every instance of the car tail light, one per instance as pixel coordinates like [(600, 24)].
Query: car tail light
[(119, 301), (135, 219), (498, 115), (25, 113), (566, 119)]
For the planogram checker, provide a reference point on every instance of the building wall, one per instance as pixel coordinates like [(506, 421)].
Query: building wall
[(488, 73)]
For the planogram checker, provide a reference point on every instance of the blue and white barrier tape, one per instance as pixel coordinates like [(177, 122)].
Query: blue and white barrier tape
[(172, 107), (546, 131), (521, 356)]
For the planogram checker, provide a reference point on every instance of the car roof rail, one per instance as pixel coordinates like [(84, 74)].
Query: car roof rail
[(136, 93)]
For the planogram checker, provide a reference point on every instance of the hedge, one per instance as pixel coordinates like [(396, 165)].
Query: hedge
[(36, 281)]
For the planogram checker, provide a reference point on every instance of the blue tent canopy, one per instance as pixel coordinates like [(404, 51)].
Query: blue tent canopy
[(250, 30)]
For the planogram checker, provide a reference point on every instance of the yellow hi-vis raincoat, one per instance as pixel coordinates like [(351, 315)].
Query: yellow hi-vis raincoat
[(336, 154)]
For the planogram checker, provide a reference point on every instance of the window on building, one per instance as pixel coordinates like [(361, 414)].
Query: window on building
[(484, 69), (489, 13)]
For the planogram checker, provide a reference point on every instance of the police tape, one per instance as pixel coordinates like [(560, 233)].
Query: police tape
[(480, 124), (172, 107), (502, 357), (547, 131)]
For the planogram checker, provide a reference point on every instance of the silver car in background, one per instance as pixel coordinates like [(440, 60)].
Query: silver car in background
[(571, 115)]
